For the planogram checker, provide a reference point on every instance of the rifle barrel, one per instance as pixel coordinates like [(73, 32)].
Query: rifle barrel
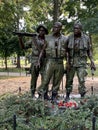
[(25, 34)]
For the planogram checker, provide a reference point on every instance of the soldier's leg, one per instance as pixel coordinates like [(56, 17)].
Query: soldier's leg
[(42, 69), (81, 73), (34, 76), (69, 81), (47, 74), (58, 75), (46, 91)]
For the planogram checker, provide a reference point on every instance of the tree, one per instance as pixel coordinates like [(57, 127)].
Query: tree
[(6, 26), (34, 12), (9, 23)]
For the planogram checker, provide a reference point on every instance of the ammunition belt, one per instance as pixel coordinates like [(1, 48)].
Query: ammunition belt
[(59, 60)]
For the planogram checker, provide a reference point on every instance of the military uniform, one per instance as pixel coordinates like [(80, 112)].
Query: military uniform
[(36, 44), (77, 50), (55, 53)]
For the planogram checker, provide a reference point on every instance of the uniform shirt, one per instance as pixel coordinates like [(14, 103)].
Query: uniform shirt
[(36, 44), (77, 49), (56, 47)]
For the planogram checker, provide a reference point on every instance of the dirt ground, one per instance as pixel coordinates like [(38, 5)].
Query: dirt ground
[(13, 85)]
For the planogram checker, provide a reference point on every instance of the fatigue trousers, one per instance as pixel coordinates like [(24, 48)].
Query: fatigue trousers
[(34, 77), (81, 74), (54, 69)]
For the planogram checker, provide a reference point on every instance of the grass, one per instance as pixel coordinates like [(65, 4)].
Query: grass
[(7, 77), (12, 69)]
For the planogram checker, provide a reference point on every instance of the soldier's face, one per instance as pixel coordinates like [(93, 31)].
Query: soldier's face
[(56, 28), (41, 31), (77, 29)]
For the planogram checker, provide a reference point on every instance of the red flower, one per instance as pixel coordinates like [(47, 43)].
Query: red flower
[(70, 104), (60, 103)]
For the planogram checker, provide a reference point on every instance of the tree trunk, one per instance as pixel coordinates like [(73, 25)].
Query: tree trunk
[(55, 10), (5, 61), (18, 61)]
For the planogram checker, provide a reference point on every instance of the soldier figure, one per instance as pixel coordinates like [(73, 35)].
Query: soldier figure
[(78, 49), (36, 43), (55, 53)]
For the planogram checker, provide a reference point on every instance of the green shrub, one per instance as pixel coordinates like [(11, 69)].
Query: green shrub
[(43, 115)]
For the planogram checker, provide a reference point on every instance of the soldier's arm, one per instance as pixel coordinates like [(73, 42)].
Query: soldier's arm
[(25, 45), (28, 44), (67, 56), (66, 49), (41, 54), (64, 46), (90, 55)]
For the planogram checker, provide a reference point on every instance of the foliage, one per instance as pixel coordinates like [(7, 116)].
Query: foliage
[(34, 12), (7, 26), (39, 114)]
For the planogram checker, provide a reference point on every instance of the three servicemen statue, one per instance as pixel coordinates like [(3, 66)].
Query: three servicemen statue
[(48, 53)]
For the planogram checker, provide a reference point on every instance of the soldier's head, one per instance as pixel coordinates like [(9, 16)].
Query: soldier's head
[(42, 30), (57, 27), (77, 28)]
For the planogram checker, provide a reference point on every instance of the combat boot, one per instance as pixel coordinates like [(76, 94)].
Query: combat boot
[(46, 97), (67, 98), (32, 93), (83, 94), (54, 95)]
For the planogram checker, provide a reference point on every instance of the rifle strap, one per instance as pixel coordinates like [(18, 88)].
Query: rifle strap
[(56, 49), (56, 46)]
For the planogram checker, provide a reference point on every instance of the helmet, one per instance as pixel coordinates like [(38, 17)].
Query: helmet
[(42, 26), (78, 23)]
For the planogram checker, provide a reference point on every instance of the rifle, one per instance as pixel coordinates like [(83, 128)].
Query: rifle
[(21, 34), (41, 55), (24, 34)]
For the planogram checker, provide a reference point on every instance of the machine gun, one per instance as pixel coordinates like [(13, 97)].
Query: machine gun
[(24, 34), (21, 34)]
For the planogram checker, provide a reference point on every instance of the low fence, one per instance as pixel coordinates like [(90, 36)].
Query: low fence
[(21, 72)]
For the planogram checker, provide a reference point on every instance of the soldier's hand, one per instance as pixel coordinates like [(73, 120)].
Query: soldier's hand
[(38, 64), (92, 65)]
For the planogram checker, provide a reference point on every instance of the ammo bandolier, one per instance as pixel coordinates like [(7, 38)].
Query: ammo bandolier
[(55, 53), (77, 49)]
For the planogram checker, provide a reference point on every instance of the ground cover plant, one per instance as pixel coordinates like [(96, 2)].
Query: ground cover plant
[(43, 115)]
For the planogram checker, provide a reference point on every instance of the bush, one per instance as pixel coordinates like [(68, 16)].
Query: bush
[(43, 115)]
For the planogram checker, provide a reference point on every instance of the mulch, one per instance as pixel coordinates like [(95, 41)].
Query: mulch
[(13, 85)]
